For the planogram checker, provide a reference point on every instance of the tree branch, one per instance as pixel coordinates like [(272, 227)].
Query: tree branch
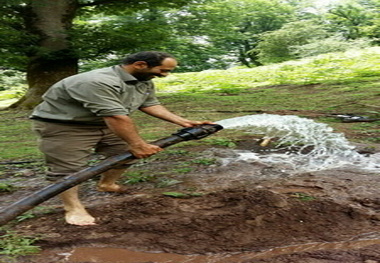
[(102, 2)]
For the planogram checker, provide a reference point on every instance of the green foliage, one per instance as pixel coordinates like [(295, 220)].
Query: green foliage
[(14, 245), (12, 86), (182, 170), (303, 197), (328, 45), (368, 129), (15, 130), (10, 79), (243, 28), (227, 142), (276, 46), (345, 25), (343, 82), (165, 182), (175, 194), (351, 18), (108, 38), (181, 195), (137, 177), (100, 28), (204, 161), (328, 68), (25, 216), (104, 31), (12, 93), (6, 187)]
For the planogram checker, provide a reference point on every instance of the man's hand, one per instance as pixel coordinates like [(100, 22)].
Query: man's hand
[(124, 127), (161, 112), (189, 123), (144, 150)]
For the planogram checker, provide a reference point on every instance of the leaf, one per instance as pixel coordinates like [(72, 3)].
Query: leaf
[(175, 194)]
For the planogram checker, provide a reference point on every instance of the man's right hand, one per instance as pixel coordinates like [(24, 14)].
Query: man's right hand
[(124, 127), (144, 150)]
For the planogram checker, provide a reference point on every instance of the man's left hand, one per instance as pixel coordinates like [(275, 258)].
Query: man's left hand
[(189, 123)]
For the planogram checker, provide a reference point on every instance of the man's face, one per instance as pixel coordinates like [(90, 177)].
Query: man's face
[(147, 73)]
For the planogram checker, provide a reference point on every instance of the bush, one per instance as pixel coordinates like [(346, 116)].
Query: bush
[(334, 43)]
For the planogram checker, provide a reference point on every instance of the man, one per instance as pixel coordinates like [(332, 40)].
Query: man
[(92, 110)]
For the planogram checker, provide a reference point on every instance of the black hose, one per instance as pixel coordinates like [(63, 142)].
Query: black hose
[(9, 213)]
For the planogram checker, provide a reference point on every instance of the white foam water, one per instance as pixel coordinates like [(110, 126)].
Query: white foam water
[(326, 149)]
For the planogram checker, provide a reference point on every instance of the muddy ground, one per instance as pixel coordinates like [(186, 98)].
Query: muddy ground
[(244, 207)]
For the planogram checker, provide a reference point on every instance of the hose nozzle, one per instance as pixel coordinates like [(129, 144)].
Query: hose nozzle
[(198, 132)]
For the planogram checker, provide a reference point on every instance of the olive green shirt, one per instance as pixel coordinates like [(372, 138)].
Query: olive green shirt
[(89, 96)]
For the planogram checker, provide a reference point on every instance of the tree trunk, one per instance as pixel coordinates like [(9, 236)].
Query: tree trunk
[(54, 58)]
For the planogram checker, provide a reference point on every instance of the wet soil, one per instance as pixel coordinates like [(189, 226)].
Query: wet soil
[(205, 208)]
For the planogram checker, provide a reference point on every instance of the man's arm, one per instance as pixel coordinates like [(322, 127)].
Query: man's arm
[(161, 112), (123, 126)]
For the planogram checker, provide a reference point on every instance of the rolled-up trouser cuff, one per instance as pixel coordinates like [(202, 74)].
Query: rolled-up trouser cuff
[(51, 176)]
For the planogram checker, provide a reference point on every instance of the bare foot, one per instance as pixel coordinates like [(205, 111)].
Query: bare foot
[(115, 188), (79, 218)]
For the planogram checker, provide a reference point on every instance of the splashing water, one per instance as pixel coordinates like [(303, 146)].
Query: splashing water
[(328, 149)]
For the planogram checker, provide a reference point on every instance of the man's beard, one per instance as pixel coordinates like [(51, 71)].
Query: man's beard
[(146, 76)]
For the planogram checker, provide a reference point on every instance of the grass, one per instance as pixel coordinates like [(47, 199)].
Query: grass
[(347, 67), (17, 141), (332, 83), (13, 245), (137, 177), (328, 84), (6, 187)]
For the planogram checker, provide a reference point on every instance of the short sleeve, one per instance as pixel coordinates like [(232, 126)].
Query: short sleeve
[(98, 97)]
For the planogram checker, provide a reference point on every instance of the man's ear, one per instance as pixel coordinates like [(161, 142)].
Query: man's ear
[(140, 64)]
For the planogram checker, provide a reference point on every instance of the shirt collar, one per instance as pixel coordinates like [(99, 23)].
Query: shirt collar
[(125, 76)]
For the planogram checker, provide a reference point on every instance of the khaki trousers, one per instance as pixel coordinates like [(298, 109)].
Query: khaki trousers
[(68, 147)]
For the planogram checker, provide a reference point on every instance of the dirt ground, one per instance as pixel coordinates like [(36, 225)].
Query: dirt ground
[(245, 207)]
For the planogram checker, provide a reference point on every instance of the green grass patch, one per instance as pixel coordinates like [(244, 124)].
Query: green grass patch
[(349, 66), (17, 141), (6, 188), (221, 141), (181, 195), (339, 83), (204, 161), (137, 177), (303, 197), (13, 245)]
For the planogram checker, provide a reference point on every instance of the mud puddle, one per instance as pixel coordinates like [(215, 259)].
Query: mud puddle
[(115, 255)]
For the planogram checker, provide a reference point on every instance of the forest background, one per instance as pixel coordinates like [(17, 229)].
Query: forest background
[(44, 41), (313, 59)]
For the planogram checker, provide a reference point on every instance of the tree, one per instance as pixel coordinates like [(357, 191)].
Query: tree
[(349, 19), (303, 39), (245, 21), (276, 46), (370, 25), (333, 43), (153, 28), (42, 34), (217, 34)]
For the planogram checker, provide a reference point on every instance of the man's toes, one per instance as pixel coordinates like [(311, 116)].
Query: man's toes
[(80, 219)]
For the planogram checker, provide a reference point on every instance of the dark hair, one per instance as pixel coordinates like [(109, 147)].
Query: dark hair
[(152, 58)]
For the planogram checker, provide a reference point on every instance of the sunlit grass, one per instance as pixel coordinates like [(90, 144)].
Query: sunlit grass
[(6, 103), (10, 96), (332, 83), (17, 141), (354, 65)]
